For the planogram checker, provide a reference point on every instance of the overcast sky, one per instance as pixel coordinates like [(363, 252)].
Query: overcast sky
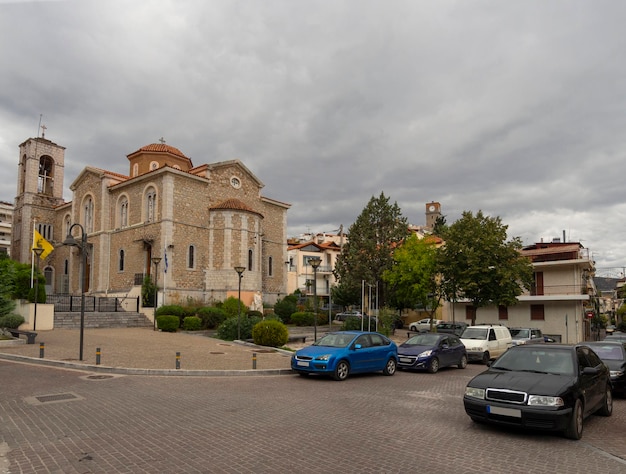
[(516, 108)]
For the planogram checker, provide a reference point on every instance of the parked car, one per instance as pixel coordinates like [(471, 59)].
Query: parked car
[(333, 308), (422, 324), (546, 387), (613, 354), (486, 342), (341, 353), (431, 351), (451, 328), (610, 328), (348, 314), (526, 336), (616, 336)]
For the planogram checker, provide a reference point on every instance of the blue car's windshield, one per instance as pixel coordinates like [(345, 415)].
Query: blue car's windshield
[(334, 340)]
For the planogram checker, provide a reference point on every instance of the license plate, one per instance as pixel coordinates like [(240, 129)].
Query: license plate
[(405, 359), (504, 411), (302, 363)]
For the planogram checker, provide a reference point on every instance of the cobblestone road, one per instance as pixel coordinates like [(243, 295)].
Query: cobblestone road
[(67, 421)]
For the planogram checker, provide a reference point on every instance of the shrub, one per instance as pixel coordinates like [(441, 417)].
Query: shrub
[(148, 291), (172, 310), (270, 332), (255, 314), (168, 323), (228, 329), (302, 318), (354, 324), (621, 326), (231, 307), (285, 308), (192, 323), (11, 321), (211, 317)]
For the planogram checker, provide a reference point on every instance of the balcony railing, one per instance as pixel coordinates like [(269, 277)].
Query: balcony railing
[(554, 290)]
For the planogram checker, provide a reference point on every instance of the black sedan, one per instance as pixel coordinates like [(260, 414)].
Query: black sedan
[(613, 354), (550, 387)]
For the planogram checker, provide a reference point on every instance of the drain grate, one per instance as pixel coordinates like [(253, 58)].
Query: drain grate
[(56, 398), (99, 377), (53, 398)]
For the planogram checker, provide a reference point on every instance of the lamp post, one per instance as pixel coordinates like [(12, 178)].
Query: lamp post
[(37, 251), (315, 263), (239, 271), (156, 261), (72, 242)]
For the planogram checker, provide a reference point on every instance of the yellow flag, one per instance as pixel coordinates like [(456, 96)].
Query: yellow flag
[(39, 241)]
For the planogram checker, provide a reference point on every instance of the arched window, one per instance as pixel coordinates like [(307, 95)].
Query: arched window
[(270, 266), (121, 263), (249, 260), (150, 205), (124, 212), (47, 272), (88, 215), (191, 257), (135, 169), (68, 224), (45, 180)]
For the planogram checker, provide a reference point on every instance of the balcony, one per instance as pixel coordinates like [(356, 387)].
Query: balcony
[(557, 293)]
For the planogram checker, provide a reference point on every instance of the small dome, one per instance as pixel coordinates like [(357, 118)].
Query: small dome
[(161, 148)]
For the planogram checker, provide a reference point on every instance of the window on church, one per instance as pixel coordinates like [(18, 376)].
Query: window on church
[(121, 261), (191, 257), (135, 169), (124, 212), (249, 260), (45, 177), (150, 205), (88, 215), (45, 230), (270, 265)]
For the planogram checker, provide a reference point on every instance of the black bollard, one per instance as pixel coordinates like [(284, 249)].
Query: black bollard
[(178, 360), (97, 356), (254, 360), (41, 347)]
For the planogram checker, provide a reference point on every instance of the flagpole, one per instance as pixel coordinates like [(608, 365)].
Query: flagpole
[(32, 257)]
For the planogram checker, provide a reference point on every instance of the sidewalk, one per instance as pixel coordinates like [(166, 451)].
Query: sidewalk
[(146, 351), (143, 351)]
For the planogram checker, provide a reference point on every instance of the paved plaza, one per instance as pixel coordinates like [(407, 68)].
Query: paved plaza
[(65, 420)]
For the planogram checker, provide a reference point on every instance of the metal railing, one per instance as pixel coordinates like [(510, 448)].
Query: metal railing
[(101, 304)]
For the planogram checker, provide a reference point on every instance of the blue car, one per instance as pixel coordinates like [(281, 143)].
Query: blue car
[(431, 351), (341, 353)]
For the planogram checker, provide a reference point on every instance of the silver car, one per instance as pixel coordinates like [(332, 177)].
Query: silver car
[(526, 336)]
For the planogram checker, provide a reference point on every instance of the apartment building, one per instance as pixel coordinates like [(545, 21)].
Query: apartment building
[(6, 222)]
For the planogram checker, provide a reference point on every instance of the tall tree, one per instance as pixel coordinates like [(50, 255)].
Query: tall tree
[(480, 265), (377, 231), (414, 278)]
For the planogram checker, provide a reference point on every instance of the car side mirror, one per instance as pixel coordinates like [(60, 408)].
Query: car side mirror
[(590, 371)]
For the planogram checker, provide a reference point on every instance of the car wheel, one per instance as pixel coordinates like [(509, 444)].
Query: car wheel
[(463, 362), (433, 366), (575, 428), (486, 357), (607, 405), (342, 370), (390, 368), (413, 328)]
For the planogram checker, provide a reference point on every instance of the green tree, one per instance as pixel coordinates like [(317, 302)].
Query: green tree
[(7, 286), (478, 263), (373, 237), (414, 275)]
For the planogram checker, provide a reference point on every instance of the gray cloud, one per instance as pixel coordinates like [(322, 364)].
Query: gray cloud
[(515, 108)]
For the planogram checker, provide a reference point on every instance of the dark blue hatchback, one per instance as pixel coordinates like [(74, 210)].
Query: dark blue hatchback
[(431, 351)]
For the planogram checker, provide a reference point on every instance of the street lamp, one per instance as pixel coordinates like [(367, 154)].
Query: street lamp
[(37, 251), (315, 262), (156, 261), (72, 242), (239, 271)]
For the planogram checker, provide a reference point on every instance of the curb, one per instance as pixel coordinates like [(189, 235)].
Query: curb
[(134, 371)]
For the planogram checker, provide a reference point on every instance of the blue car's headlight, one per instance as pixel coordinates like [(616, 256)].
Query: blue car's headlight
[(475, 392), (425, 354), (545, 401), (323, 357)]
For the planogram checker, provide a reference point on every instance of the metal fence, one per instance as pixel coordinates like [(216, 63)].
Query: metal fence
[(102, 304)]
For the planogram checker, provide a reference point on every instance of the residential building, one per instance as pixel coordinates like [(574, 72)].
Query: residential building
[(560, 301), (185, 226), (6, 223)]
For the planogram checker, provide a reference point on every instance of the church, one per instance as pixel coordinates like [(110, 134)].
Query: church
[(186, 226)]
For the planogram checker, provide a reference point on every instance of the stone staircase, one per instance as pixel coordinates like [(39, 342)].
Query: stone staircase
[(117, 319)]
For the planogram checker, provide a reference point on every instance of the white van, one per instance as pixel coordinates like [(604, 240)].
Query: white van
[(486, 342)]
